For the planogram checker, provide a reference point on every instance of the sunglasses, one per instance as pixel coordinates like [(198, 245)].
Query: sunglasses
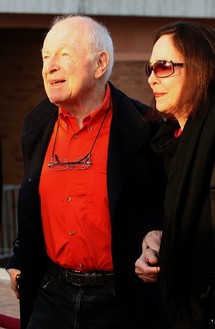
[(161, 69)]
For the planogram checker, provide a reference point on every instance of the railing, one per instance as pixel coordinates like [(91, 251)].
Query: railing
[(8, 222)]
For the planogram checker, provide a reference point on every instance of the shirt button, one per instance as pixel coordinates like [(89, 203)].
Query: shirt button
[(75, 136), (71, 233), (69, 198)]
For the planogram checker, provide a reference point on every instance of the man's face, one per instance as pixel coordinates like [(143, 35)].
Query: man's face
[(68, 71)]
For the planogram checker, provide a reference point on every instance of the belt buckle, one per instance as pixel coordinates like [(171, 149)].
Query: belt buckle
[(75, 280), (91, 278)]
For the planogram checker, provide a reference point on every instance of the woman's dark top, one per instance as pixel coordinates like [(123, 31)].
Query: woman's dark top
[(186, 255)]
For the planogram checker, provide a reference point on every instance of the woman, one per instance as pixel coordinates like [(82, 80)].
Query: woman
[(181, 73)]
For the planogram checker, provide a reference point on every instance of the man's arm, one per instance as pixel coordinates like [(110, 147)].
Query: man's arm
[(13, 267)]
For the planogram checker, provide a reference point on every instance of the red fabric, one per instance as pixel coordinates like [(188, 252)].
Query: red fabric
[(9, 322), (178, 132), (74, 203)]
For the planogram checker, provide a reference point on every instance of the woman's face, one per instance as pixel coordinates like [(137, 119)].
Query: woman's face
[(166, 90)]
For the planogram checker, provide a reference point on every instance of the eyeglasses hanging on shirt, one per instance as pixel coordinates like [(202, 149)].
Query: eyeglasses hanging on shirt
[(59, 164)]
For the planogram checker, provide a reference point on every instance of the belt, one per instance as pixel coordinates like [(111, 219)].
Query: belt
[(91, 278)]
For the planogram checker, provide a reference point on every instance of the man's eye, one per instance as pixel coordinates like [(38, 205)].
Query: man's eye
[(45, 57)]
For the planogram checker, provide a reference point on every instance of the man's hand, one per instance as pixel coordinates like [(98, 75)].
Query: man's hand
[(146, 266), (13, 280)]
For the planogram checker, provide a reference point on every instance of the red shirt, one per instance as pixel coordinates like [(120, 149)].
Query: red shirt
[(177, 132), (74, 203)]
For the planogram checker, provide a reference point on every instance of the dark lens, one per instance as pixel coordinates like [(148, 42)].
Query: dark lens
[(163, 69), (148, 69)]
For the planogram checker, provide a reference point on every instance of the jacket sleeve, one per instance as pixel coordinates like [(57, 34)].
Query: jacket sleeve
[(14, 261)]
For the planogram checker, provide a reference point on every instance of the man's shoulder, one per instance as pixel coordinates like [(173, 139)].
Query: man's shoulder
[(139, 105), (43, 111), (44, 105)]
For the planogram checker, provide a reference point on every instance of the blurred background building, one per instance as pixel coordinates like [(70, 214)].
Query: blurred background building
[(23, 25)]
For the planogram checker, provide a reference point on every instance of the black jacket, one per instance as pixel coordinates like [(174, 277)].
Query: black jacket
[(187, 253), (134, 183)]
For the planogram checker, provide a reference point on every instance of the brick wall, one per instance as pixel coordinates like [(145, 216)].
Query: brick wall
[(22, 87)]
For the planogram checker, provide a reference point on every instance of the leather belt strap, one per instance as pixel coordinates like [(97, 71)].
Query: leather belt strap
[(91, 278)]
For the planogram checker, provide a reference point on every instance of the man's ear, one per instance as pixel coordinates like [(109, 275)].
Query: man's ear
[(102, 64)]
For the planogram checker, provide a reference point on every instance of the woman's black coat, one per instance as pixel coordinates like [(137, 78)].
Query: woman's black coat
[(134, 191), (187, 252)]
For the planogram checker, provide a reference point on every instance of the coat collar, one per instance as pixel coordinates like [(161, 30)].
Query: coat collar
[(128, 118)]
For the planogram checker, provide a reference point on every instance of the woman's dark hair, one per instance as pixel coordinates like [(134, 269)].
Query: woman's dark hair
[(196, 43)]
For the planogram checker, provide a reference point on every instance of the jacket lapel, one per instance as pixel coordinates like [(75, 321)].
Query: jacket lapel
[(129, 132)]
